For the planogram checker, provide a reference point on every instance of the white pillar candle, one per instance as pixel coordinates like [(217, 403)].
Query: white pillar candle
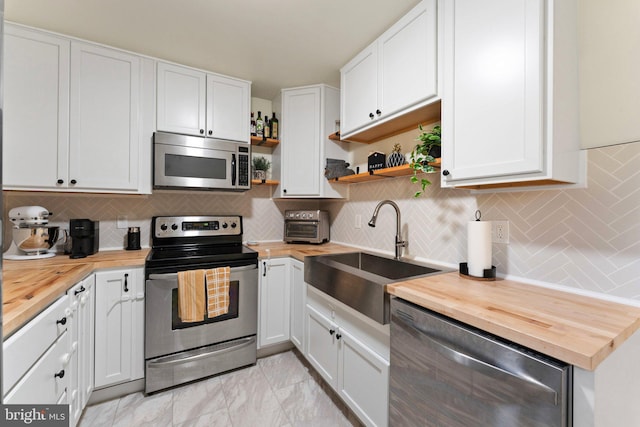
[(478, 247)]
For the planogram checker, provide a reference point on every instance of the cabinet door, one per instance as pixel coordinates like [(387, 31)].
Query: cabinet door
[(321, 345), (181, 100), (301, 142), (489, 77), (36, 108), (363, 380), (298, 303), (113, 344), (359, 86), (274, 302), (137, 346), (408, 60), (228, 108), (104, 135), (74, 321)]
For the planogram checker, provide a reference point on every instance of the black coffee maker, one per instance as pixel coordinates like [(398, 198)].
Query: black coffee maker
[(85, 236)]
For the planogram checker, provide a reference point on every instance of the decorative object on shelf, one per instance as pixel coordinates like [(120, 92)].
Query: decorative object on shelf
[(376, 160), (336, 168), (396, 158), (260, 167), (424, 153)]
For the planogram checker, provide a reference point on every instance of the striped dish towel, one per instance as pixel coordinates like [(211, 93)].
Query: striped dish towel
[(218, 291), (191, 296)]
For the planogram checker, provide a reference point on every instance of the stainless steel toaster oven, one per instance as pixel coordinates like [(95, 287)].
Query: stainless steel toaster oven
[(306, 226)]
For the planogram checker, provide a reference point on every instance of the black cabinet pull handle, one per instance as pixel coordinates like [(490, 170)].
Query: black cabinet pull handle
[(79, 291), (60, 181), (62, 321), (201, 131), (59, 374), (378, 112), (264, 269), (338, 336), (445, 172), (74, 182), (126, 280), (371, 116), (332, 331)]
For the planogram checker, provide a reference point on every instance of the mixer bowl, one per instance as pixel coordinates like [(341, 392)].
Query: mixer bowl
[(36, 239)]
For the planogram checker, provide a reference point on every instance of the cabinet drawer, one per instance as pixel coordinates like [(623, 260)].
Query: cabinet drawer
[(40, 385), (24, 348)]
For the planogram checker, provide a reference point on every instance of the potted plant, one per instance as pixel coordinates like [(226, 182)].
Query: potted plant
[(423, 154), (260, 167)]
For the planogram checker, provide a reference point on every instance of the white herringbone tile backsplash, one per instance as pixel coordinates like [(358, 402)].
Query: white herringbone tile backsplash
[(583, 238)]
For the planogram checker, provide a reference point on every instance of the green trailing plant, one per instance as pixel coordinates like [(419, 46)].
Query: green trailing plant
[(422, 155), (261, 164)]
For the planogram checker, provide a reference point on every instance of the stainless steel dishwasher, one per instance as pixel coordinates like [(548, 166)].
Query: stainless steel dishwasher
[(445, 373)]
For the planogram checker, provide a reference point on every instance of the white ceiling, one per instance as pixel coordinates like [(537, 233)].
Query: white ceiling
[(275, 44)]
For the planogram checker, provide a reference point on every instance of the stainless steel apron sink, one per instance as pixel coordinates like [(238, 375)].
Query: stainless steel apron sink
[(358, 279)]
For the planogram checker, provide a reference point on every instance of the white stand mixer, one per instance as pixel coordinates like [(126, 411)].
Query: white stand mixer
[(32, 236)]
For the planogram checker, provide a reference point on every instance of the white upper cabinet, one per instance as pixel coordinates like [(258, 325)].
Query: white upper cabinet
[(309, 116), (193, 102), (388, 86), (510, 99), (81, 108)]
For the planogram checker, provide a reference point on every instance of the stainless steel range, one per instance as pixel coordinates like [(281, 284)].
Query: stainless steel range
[(177, 352)]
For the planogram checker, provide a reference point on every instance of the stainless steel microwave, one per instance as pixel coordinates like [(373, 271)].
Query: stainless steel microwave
[(192, 162)]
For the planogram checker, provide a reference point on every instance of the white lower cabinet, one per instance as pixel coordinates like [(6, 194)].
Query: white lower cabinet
[(298, 302), (274, 300), (81, 335), (119, 351), (351, 353)]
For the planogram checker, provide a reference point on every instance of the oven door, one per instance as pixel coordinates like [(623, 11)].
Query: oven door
[(301, 231), (166, 334)]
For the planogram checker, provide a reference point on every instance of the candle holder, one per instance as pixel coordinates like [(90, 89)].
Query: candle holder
[(487, 275)]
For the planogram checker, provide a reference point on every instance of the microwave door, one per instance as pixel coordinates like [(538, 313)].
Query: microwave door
[(178, 166)]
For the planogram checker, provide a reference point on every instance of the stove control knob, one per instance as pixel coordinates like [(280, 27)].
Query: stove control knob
[(174, 227), (225, 225), (233, 225), (163, 227)]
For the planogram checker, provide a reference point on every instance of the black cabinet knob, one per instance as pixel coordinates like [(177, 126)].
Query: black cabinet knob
[(445, 172), (338, 336), (73, 181), (201, 131), (332, 331), (371, 116), (59, 374), (79, 291), (284, 191), (378, 112), (60, 181), (62, 321), (210, 132)]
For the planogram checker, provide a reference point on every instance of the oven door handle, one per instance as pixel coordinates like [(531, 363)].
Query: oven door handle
[(177, 359), (169, 276)]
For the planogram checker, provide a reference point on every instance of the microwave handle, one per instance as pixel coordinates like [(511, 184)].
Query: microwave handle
[(233, 169)]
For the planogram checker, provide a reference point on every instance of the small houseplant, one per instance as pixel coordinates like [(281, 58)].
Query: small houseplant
[(260, 167), (423, 154)]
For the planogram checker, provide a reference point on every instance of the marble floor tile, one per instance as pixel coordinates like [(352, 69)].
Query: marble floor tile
[(279, 391)]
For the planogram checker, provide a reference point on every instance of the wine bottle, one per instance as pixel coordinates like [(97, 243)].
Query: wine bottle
[(274, 127), (253, 125), (259, 125), (267, 127)]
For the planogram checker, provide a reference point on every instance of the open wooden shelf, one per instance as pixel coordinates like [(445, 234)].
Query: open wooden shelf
[(261, 142), (265, 182), (402, 170)]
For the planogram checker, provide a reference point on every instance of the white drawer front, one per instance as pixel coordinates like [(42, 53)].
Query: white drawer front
[(22, 349), (40, 385)]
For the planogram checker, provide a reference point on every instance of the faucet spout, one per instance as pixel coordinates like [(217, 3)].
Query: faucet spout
[(399, 243)]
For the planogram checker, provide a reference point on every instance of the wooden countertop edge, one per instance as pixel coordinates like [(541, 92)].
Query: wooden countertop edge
[(548, 330)]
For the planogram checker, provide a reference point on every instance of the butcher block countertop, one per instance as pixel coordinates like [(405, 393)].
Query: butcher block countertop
[(576, 329), (30, 286), (297, 250)]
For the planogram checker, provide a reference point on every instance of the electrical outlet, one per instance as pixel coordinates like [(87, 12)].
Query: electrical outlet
[(358, 221), (500, 231)]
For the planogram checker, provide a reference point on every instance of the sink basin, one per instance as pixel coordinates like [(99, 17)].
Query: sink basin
[(358, 279)]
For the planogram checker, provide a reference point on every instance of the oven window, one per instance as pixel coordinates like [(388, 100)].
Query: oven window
[(302, 229), (176, 323), (195, 167)]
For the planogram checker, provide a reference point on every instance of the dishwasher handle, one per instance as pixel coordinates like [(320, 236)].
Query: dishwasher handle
[(459, 356)]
